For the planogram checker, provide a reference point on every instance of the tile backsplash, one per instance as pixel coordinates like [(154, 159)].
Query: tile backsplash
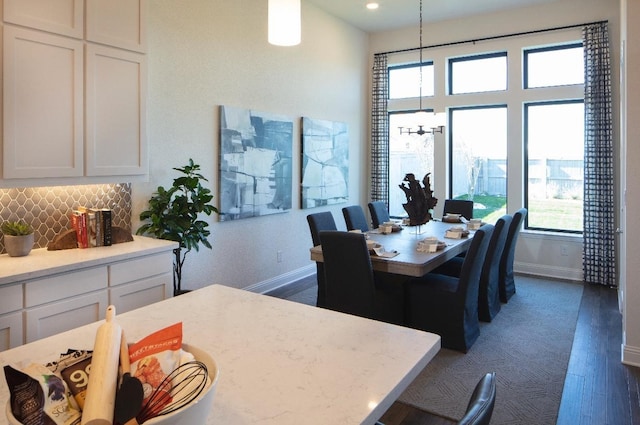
[(47, 208)]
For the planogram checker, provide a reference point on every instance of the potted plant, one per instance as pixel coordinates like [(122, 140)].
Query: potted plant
[(173, 214), (18, 238)]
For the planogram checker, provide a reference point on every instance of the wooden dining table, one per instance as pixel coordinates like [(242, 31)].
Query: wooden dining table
[(409, 261)]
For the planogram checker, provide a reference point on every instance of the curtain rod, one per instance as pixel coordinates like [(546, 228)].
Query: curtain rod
[(494, 37)]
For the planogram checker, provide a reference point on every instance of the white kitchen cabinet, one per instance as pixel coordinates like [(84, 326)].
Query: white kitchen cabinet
[(48, 292), (136, 283), (43, 105), (74, 90), (118, 23), (64, 17), (53, 318), (115, 112), (11, 331)]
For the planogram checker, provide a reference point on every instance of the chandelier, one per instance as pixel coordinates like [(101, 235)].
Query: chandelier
[(431, 122)]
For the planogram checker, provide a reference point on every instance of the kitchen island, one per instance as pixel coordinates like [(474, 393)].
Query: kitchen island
[(280, 362)]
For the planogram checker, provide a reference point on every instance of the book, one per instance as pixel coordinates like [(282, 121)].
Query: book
[(79, 224), (90, 218), (106, 226)]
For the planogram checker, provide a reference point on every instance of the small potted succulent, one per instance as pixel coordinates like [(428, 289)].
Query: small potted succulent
[(18, 238)]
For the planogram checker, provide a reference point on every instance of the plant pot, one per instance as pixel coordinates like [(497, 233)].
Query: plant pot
[(18, 246)]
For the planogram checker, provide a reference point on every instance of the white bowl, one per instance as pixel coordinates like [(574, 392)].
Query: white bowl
[(194, 413)]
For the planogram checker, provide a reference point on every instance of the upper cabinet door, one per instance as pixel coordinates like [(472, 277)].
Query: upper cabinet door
[(43, 104), (64, 17), (115, 112), (118, 23)]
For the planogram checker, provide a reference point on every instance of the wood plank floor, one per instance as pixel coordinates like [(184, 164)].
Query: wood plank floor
[(598, 390)]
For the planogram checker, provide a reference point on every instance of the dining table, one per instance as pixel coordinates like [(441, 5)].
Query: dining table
[(280, 362), (406, 259)]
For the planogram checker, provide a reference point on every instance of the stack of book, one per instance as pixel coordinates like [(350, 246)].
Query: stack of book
[(92, 226)]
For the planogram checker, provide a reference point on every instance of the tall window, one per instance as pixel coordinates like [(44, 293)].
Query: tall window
[(554, 141), (479, 159), (555, 166)]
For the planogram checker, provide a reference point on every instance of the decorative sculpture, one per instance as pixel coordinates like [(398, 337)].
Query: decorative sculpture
[(420, 200)]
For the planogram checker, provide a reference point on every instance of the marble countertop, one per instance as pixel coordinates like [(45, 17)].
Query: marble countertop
[(40, 262), (280, 362)]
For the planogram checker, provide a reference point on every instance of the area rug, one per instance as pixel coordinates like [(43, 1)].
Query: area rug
[(528, 345)]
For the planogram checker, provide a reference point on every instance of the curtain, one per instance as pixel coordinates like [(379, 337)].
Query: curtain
[(380, 130), (599, 250)]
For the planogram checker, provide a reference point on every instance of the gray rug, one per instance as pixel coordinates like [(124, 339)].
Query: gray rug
[(528, 345)]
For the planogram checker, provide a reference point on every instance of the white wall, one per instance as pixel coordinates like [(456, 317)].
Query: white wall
[(631, 142), (207, 53), (536, 253)]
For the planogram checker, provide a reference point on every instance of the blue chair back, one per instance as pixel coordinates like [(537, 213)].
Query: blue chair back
[(379, 213), (489, 296), (507, 285), (354, 218)]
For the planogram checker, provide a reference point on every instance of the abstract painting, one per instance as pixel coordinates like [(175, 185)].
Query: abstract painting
[(255, 163), (325, 163)]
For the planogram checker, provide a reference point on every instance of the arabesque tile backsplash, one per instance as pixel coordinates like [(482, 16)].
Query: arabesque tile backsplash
[(47, 208)]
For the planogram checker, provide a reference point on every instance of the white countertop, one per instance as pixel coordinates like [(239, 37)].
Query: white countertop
[(41, 262), (280, 362)]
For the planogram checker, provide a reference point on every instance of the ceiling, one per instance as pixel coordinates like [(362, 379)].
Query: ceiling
[(394, 14)]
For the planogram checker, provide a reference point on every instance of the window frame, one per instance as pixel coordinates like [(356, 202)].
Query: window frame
[(552, 48), (417, 65), (468, 58), (525, 140)]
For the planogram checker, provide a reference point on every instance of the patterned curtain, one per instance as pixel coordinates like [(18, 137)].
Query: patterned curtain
[(380, 130), (599, 256)]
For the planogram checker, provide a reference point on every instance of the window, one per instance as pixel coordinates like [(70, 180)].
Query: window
[(407, 154), (553, 66), (555, 167), (464, 73), (479, 159), (404, 81)]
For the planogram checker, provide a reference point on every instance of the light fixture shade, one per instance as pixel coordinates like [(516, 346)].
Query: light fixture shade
[(284, 22)]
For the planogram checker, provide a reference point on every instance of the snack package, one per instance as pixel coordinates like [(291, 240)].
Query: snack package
[(154, 357), (39, 397), (74, 367)]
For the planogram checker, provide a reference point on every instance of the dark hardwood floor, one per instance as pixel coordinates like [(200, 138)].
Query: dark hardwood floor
[(598, 389)]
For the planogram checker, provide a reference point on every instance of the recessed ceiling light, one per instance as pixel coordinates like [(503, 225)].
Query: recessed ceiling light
[(372, 5)]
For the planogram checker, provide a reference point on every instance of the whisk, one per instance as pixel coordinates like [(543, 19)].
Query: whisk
[(183, 385)]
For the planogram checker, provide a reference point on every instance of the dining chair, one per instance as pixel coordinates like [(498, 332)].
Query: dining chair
[(354, 218), (507, 285), (379, 213), (448, 305), (488, 291), (318, 222), (459, 206), (480, 406), (351, 285), (483, 399)]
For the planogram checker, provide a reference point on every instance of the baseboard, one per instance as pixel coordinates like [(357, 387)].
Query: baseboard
[(630, 355), (282, 280), (548, 271)]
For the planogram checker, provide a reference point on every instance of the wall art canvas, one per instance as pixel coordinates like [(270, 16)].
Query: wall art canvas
[(255, 163), (325, 163)]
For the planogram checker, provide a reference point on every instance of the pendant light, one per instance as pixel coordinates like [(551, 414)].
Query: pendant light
[(433, 121), (284, 22)]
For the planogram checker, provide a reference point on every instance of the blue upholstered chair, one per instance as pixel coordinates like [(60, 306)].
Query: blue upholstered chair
[(354, 218), (317, 223), (458, 206), (351, 284), (379, 213), (507, 285), (448, 305), (488, 293)]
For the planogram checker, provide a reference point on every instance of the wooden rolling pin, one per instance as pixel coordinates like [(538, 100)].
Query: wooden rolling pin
[(103, 378)]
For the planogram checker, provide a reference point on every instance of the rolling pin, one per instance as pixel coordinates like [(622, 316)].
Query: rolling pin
[(103, 379)]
